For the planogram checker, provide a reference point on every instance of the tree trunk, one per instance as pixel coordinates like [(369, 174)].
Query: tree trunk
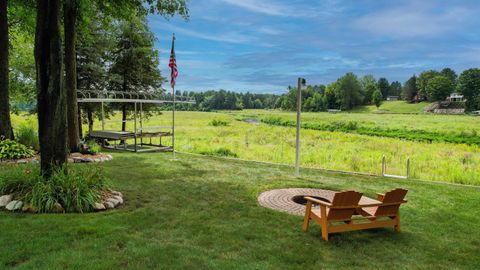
[(5, 122), (51, 96), (70, 18), (90, 119)]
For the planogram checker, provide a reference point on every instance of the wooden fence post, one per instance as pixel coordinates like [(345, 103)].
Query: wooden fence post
[(384, 166), (408, 167)]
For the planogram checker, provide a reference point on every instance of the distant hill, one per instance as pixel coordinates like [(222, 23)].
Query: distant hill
[(394, 107)]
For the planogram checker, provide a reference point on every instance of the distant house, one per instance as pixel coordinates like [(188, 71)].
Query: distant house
[(393, 98), (455, 97), (334, 111)]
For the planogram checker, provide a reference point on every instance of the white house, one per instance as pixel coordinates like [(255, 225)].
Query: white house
[(455, 97)]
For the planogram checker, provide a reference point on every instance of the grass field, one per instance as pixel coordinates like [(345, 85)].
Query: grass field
[(394, 107), (458, 163), (202, 213)]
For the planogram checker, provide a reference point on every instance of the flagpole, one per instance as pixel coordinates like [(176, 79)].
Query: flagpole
[(173, 111)]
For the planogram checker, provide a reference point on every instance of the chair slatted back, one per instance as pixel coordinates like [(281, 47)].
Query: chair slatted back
[(346, 198), (393, 196)]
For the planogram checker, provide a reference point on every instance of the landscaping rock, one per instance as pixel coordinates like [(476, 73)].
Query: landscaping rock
[(5, 199), (114, 201), (88, 160), (29, 208), (109, 157), (74, 155), (14, 205), (57, 208), (70, 160), (77, 159), (116, 193), (118, 198), (99, 207), (109, 205)]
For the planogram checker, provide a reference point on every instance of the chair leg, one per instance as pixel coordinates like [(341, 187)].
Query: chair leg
[(306, 219), (324, 222), (324, 231), (397, 223)]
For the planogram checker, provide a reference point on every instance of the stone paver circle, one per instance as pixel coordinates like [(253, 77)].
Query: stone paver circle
[(283, 199)]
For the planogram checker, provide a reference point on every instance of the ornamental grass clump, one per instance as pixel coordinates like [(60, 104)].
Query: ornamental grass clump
[(76, 192)]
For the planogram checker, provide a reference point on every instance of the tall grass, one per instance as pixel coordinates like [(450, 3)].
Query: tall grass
[(76, 192), (353, 126), (26, 135)]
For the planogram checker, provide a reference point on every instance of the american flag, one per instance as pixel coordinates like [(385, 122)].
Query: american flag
[(173, 65)]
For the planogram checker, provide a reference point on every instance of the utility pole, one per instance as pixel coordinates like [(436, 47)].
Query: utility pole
[(301, 85)]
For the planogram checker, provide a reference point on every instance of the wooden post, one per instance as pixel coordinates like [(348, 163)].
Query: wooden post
[(408, 167), (384, 166)]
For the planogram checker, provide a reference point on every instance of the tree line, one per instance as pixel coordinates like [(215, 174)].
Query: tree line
[(348, 92)]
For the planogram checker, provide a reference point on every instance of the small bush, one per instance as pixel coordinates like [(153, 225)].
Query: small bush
[(220, 152), (94, 148), (76, 192), (13, 150), (218, 123), (27, 135)]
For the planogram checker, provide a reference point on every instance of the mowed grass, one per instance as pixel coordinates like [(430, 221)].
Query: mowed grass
[(395, 107), (458, 163), (202, 213)]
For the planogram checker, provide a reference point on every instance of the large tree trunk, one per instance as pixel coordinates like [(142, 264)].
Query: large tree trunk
[(70, 18), (5, 122), (51, 97)]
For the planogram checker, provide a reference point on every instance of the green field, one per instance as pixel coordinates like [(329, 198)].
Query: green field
[(457, 163), (394, 107), (202, 213)]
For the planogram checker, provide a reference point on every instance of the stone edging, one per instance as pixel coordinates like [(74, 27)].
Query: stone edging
[(72, 158), (110, 199)]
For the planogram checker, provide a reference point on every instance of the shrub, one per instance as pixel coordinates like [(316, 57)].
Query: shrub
[(94, 148), (26, 135), (76, 192), (218, 123), (13, 150), (220, 152)]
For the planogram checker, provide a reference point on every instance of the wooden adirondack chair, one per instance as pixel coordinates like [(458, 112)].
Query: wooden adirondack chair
[(389, 208), (342, 207), (345, 204)]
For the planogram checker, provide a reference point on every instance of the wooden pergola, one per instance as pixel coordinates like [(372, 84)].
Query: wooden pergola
[(141, 135)]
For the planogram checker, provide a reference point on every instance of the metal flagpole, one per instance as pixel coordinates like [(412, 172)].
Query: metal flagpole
[(173, 123), (173, 66)]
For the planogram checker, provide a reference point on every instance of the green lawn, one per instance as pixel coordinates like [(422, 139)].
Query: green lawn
[(202, 213), (395, 107)]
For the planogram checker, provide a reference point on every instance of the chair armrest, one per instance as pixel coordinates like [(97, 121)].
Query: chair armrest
[(317, 201)]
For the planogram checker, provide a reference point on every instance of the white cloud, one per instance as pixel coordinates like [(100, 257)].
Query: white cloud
[(414, 20), (230, 37), (293, 9)]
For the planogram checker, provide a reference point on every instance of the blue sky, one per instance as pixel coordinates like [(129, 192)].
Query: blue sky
[(263, 46)]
